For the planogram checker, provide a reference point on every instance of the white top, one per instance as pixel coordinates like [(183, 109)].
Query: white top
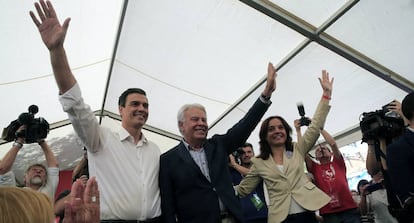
[(379, 205), (51, 183), (127, 173), (8, 179), (294, 207)]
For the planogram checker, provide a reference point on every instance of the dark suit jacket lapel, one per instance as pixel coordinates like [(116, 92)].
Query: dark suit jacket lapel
[(188, 159), (209, 150)]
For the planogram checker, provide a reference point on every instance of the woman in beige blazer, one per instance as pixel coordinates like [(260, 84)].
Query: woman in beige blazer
[(292, 197)]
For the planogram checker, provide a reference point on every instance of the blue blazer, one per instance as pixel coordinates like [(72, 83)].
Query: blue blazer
[(186, 194)]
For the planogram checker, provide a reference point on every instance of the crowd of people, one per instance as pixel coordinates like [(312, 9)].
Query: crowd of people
[(203, 179)]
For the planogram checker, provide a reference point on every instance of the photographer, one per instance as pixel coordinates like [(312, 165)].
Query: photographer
[(37, 176), (374, 197), (400, 162), (380, 129), (253, 205), (377, 141)]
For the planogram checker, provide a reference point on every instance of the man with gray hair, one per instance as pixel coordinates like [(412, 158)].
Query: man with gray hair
[(195, 181), (38, 177)]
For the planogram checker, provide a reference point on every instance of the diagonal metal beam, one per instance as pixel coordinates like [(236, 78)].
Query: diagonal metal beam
[(118, 35), (340, 48)]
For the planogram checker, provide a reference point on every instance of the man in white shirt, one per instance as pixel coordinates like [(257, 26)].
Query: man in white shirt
[(125, 163)]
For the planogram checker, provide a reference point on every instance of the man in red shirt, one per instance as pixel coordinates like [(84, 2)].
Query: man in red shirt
[(329, 171)]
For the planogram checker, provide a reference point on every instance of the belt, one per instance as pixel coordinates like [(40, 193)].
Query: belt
[(151, 220)]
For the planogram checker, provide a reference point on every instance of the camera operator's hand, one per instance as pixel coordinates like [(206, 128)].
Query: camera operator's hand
[(396, 107), (20, 134)]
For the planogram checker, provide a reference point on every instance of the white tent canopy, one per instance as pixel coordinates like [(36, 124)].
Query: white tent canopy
[(213, 52)]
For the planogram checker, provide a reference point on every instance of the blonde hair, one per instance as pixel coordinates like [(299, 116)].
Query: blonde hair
[(19, 205)]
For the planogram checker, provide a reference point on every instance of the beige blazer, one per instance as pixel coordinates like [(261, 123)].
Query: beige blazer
[(292, 182)]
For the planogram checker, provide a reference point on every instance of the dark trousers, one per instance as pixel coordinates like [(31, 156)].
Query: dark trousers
[(307, 216), (263, 220), (153, 220)]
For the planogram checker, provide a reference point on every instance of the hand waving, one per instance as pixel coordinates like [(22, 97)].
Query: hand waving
[(271, 80), (53, 34), (326, 83)]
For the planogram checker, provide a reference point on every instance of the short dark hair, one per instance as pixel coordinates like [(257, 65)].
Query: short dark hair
[(407, 106), (361, 183), (124, 95), (247, 145)]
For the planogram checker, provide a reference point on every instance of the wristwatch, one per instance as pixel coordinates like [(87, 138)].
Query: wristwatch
[(17, 144)]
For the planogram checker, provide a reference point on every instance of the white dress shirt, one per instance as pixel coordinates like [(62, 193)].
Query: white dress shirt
[(127, 173)]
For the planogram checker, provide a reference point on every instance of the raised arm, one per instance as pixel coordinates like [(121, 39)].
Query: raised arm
[(308, 139), (50, 157), (241, 169), (308, 163), (372, 163), (296, 123), (270, 82), (53, 35), (8, 159), (326, 85), (331, 141)]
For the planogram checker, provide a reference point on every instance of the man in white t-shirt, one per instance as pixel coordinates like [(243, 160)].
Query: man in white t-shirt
[(38, 177)]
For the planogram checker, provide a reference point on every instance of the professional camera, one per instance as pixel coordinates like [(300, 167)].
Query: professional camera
[(36, 128), (304, 121), (237, 154), (381, 123)]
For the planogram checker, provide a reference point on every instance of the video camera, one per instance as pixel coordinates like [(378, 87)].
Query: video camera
[(36, 128), (304, 121), (381, 123)]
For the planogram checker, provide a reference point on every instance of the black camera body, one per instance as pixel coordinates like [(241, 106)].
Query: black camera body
[(36, 128), (237, 154), (380, 124), (304, 121)]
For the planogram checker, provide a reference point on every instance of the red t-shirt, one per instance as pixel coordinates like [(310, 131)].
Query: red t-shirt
[(331, 178)]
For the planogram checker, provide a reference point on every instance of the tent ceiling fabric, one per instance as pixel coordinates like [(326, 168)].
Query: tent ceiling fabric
[(212, 52)]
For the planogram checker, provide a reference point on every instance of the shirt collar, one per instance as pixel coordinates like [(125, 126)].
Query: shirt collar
[(124, 135), (188, 147)]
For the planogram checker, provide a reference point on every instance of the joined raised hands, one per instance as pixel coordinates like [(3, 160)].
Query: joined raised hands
[(84, 204), (53, 34)]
